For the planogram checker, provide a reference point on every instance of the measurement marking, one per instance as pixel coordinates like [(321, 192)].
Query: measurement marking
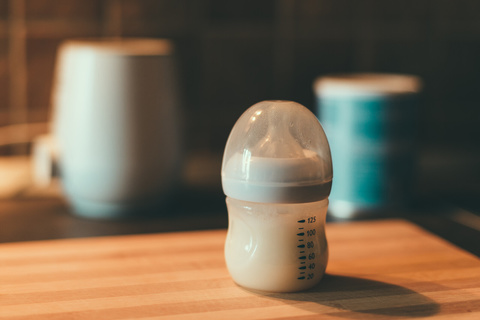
[(302, 272), (302, 251), (301, 228), (301, 278), (303, 267), (302, 262), (301, 246), (301, 221), (302, 257), (301, 234), (300, 239)]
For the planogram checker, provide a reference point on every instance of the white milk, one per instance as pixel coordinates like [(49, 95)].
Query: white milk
[(276, 247)]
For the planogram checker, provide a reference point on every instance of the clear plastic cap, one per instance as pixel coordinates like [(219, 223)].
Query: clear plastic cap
[(277, 152)]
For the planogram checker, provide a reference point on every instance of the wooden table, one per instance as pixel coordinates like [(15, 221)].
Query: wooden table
[(377, 270)]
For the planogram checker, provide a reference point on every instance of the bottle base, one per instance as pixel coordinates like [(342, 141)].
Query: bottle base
[(299, 287)]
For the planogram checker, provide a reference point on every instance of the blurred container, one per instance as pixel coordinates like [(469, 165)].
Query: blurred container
[(115, 125), (370, 122)]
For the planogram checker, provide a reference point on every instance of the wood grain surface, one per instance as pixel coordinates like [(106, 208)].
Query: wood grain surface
[(377, 270)]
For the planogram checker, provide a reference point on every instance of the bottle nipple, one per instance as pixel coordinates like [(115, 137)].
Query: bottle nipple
[(278, 142)]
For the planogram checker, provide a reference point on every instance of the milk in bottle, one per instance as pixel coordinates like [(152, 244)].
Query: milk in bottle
[(277, 175)]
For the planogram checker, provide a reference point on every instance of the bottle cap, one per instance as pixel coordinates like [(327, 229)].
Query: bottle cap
[(277, 152)]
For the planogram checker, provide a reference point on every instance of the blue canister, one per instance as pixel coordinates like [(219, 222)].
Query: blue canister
[(370, 122)]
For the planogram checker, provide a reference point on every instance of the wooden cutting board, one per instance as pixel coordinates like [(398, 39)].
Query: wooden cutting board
[(377, 270)]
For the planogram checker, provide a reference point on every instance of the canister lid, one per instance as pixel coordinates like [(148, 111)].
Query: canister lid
[(356, 84), (121, 46)]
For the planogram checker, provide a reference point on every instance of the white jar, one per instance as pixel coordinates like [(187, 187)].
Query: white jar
[(115, 125)]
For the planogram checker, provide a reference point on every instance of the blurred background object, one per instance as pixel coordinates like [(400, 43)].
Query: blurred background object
[(116, 127), (235, 53), (371, 123)]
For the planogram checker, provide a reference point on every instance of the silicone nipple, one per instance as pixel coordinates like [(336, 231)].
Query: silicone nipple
[(278, 142)]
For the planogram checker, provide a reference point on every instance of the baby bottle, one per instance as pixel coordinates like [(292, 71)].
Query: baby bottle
[(277, 175)]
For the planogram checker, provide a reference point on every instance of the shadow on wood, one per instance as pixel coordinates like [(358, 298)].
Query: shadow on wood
[(359, 298)]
